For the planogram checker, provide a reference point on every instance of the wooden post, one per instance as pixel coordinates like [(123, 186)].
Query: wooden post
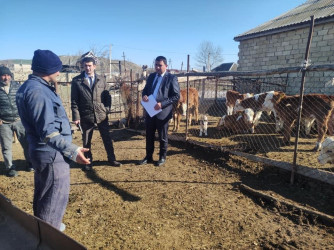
[(187, 113), (137, 107), (203, 89), (216, 90), (301, 96), (131, 94)]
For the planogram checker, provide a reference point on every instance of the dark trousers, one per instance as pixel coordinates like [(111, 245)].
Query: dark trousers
[(6, 141), (153, 124), (87, 135), (52, 187)]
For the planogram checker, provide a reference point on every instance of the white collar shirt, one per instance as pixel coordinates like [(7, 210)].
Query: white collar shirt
[(90, 77)]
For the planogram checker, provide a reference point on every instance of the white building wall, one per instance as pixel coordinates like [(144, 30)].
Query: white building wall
[(288, 50)]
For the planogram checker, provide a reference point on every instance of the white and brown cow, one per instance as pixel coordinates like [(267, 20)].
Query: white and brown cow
[(180, 109), (231, 98), (259, 103), (203, 125), (315, 106), (239, 122), (327, 152)]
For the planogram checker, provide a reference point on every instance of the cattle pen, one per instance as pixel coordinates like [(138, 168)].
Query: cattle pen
[(196, 198), (264, 145)]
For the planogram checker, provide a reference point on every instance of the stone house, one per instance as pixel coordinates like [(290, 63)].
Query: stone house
[(281, 42)]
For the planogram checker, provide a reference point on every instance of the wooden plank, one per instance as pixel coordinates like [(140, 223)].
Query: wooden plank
[(313, 173), (325, 218)]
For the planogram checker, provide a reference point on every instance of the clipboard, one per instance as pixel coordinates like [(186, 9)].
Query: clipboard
[(149, 106)]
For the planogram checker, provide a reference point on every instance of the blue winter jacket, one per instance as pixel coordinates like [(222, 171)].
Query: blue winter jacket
[(45, 120)]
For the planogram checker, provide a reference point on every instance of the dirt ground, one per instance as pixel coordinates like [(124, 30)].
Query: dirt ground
[(193, 202)]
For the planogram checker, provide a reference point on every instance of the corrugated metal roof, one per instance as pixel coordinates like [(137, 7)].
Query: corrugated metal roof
[(223, 67), (318, 8)]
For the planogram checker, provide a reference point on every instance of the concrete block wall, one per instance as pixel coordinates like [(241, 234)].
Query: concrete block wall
[(287, 49)]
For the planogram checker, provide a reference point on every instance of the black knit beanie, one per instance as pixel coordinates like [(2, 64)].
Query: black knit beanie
[(5, 71), (45, 61)]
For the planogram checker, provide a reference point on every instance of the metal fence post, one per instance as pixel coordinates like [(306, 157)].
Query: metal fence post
[(294, 168)]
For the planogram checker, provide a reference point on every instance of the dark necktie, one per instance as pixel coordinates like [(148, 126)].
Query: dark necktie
[(155, 83), (90, 81)]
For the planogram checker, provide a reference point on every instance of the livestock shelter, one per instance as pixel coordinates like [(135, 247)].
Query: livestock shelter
[(281, 42)]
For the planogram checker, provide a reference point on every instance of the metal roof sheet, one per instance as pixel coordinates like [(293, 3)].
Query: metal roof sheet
[(318, 8)]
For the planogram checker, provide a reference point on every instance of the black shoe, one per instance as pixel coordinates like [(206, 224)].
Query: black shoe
[(12, 172), (115, 163), (145, 161), (160, 162), (29, 168), (87, 167)]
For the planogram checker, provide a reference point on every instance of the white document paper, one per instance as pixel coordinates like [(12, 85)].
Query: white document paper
[(149, 106)]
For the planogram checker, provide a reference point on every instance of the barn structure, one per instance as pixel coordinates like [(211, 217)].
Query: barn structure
[(281, 42), (226, 67)]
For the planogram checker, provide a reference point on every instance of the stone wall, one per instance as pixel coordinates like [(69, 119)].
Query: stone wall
[(287, 49)]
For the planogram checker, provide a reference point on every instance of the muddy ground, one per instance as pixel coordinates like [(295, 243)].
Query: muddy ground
[(193, 202)]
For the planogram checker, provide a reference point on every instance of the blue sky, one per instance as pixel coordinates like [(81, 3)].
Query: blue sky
[(140, 29)]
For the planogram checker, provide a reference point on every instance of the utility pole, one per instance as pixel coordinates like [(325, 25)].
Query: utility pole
[(181, 66), (170, 63), (110, 61), (208, 67), (124, 62)]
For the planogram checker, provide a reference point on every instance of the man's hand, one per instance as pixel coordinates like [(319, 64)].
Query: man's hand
[(76, 122), (81, 159), (145, 98), (157, 106)]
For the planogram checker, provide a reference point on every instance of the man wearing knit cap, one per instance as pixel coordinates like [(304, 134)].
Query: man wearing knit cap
[(10, 121), (49, 136)]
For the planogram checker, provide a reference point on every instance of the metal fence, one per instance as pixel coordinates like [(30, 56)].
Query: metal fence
[(265, 144)]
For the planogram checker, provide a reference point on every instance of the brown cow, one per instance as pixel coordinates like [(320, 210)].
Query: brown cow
[(315, 106), (231, 98), (180, 108)]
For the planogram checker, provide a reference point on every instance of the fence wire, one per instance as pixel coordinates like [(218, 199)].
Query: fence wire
[(262, 125), (265, 125)]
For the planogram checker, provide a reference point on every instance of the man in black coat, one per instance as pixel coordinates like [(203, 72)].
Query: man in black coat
[(10, 122), (166, 90), (90, 103)]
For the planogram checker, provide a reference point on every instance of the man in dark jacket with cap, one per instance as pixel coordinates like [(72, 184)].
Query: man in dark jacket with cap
[(49, 136), (90, 103), (10, 121)]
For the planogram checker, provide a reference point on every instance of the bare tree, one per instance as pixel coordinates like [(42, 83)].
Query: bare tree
[(208, 55)]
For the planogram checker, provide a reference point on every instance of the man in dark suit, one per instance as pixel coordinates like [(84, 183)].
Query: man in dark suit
[(166, 90)]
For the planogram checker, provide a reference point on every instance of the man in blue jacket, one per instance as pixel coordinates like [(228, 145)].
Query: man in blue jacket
[(165, 89), (49, 137), (10, 121)]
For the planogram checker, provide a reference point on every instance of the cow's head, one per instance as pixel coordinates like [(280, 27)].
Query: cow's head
[(268, 104), (238, 106), (203, 120), (184, 108), (248, 116), (327, 152), (221, 122)]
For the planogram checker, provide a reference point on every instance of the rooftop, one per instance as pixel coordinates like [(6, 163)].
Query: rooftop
[(322, 10)]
